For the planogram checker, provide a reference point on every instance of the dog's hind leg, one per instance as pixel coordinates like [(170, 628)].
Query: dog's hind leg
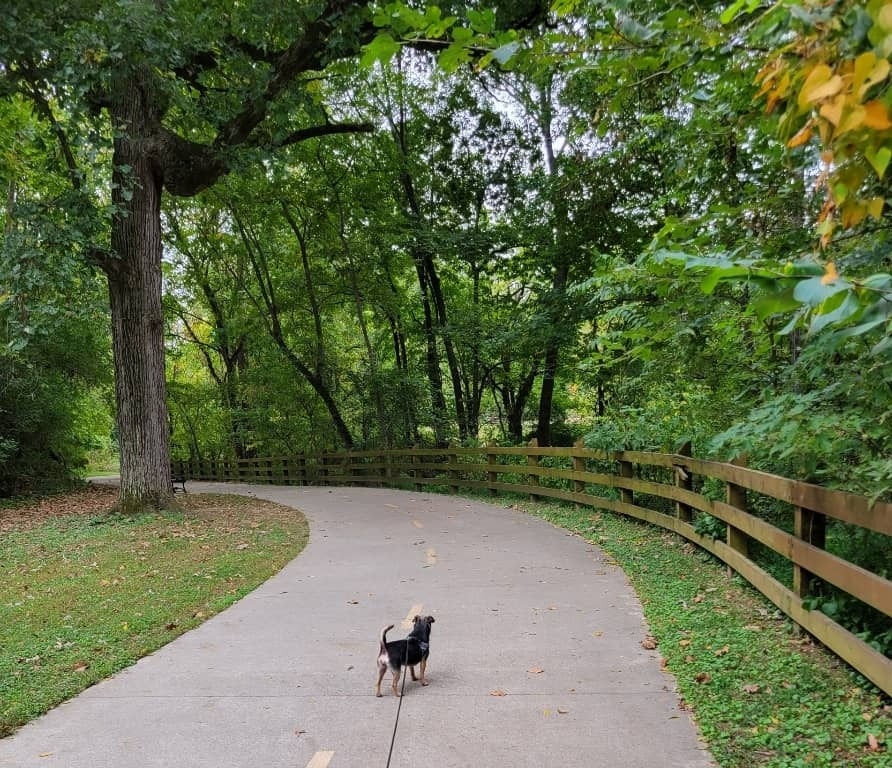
[(412, 670), (395, 684), (382, 668)]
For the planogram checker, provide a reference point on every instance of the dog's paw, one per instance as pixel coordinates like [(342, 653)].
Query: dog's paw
[(379, 694), (425, 682)]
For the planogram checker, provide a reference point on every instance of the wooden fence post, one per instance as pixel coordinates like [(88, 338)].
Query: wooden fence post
[(626, 469), (453, 473), (578, 466), (269, 471), (416, 460), (388, 467), (684, 480), (492, 477), (735, 495), (533, 461), (381, 472), (809, 526)]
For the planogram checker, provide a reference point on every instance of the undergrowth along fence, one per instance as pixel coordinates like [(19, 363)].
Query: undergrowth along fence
[(672, 491)]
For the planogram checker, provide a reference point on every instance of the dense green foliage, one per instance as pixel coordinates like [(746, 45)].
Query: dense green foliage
[(55, 367), (638, 223)]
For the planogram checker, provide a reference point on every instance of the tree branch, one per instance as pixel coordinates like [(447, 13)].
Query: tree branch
[(44, 108), (302, 55), (302, 134)]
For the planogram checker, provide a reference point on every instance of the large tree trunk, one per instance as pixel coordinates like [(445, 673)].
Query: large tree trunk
[(451, 358), (432, 359), (134, 287), (560, 228)]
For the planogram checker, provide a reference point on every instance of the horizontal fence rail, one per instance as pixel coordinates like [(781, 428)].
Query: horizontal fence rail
[(632, 480)]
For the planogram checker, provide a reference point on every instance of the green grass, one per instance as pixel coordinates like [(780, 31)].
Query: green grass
[(102, 465), (761, 693), (82, 596)]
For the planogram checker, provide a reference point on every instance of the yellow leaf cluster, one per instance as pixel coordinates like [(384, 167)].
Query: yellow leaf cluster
[(843, 102)]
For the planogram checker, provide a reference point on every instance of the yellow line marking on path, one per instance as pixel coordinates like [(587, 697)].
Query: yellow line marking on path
[(418, 524), (414, 611), (320, 760), (431, 556)]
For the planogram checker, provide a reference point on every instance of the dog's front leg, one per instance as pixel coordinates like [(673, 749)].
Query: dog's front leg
[(423, 667), (395, 685), (412, 670)]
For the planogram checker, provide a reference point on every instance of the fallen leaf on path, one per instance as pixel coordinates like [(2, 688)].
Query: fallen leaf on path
[(81, 666), (649, 643), (723, 650), (752, 688), (536, 671), (597, 634), (45, 754), (702, 677), (563, 711), (353, 602), (497, 693)]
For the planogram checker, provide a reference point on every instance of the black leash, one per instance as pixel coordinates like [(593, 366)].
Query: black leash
[(400, 705)]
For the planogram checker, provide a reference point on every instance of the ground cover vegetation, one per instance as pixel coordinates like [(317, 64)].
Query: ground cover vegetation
[(761, 693), (314, 225), (85, 592)]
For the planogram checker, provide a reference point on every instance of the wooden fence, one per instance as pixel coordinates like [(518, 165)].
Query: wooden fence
[(656, 487)]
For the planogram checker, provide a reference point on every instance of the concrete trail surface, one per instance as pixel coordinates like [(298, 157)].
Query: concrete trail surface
[(535, 656)]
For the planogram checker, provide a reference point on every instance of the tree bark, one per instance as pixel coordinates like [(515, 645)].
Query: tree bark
[(562, 267), (552, 348), (134, 287)]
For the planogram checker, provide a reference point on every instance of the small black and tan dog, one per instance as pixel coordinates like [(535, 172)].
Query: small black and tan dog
[(409, 652)]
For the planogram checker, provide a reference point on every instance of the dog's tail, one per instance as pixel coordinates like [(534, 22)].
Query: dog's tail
[(384, 637)]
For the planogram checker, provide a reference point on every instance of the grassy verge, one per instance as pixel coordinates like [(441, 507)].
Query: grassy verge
[(761, 693), (84, 593)]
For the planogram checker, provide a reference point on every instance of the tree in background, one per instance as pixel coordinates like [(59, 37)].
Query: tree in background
[(54, 365), (166, 94)]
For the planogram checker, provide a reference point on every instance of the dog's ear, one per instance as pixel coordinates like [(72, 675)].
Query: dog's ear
[(416, 619), (430, 619)]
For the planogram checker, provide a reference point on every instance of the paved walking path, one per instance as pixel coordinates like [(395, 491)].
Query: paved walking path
[(284, 678)]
